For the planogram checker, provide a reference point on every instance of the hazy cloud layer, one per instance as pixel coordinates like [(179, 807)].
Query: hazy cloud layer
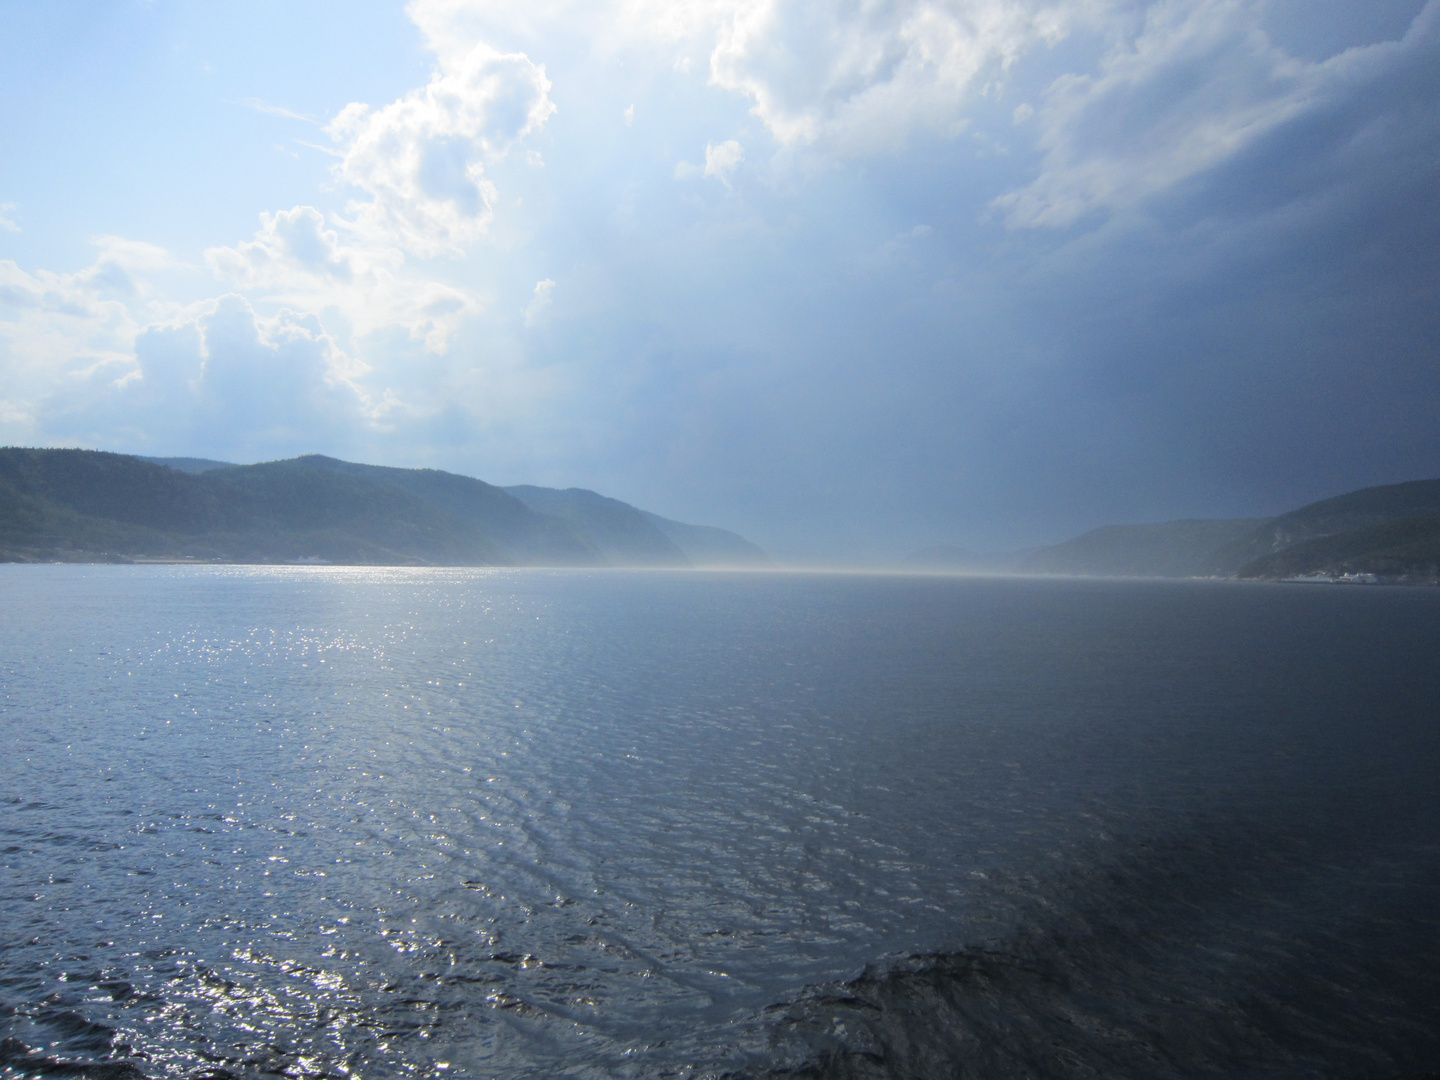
[(1198, 84)]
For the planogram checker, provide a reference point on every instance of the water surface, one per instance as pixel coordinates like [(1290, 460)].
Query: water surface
[(380, 822)]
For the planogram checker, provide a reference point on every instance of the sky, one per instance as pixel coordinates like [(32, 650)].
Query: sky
[(850, 277)]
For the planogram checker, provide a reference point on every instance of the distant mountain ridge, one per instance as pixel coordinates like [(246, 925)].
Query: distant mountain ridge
[(619, 533), (1390, 532), (85, 505), (707, 545), (1188, 548)]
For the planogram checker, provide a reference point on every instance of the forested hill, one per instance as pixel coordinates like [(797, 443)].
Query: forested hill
[(626, 536), (1391, 532), (85, 505)]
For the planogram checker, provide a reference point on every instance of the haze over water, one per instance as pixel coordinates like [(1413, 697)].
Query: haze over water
[(383, 822)]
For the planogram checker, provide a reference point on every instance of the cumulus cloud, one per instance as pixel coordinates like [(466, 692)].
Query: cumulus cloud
[(289, 241), (864, 76), (101, 356), (1181, 85), (225, 381), (6, 221), (295, 259), (58, 325), (855, 77), (284, 375), (66, 339), (104, 351), (422, 160)]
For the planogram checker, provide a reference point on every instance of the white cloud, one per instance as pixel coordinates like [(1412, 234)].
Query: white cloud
[(99, 352), (1181, 84), (309, 337), (223, 380), (6, 222), (854, 77), (65, 322), (229, 382), (290, 242), (1200, 82), (62, 332), (722, 160), (284, 375), (863, 77), (422, 159), (295, 260), (539, 301), (100, 356)]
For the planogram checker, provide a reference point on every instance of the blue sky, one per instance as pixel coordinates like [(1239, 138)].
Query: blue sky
[(849, 277)]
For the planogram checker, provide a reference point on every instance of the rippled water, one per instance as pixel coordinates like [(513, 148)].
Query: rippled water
[(359, 822)]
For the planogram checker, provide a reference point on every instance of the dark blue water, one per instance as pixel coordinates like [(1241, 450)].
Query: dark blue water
[(341, 822)]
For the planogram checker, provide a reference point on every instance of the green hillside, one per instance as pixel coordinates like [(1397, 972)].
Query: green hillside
[(530, 537), (1408, 549), (1351, 512), (85, 505), (1389, 531), (73, 504)]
